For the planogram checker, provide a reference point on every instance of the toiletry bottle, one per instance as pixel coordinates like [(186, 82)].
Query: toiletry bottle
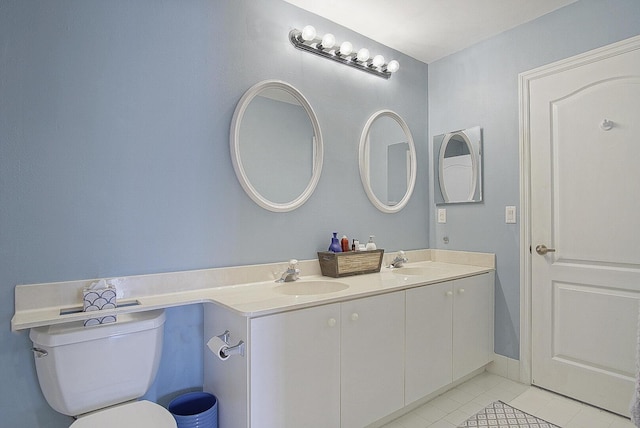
[(371, 245), (335, 244), (344, 243)]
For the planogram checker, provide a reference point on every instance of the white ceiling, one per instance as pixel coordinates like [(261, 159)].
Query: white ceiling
[(429, 29)]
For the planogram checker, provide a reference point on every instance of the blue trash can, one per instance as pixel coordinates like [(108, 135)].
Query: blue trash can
[(195, 410)]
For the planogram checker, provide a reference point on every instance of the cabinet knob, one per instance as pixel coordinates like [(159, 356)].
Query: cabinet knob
[(354, 316), (449, 293), (461, 291), (332, 322)]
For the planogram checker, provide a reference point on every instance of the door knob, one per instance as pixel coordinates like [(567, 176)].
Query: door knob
[(542, 250)]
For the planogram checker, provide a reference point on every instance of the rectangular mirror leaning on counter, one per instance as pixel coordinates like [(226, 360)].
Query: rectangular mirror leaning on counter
[(457, 166)]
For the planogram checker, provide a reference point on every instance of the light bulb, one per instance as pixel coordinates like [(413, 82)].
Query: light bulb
[(363, 55), (308, 33), (346, 48), (393, 66), (378, 61), (328, 40)]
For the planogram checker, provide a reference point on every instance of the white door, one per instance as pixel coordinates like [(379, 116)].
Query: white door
[(584, 137)]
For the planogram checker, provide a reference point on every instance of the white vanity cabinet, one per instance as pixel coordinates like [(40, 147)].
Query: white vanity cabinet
[(429, 345), (449, 333), (372, 358), (295, 369), (338, 365), (351, 363), (473, 311)]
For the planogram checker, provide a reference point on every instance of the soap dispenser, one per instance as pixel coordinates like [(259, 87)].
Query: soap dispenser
[(335, 246), (371, 245)]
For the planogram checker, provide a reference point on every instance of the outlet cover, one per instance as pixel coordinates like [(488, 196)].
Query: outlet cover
[(442, 215), (510, 214)]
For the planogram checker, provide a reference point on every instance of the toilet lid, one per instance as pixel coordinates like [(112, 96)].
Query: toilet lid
[(139, 414)]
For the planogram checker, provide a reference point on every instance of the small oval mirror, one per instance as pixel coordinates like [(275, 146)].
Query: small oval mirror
[(458, 166), (387, 161), (276, 146)]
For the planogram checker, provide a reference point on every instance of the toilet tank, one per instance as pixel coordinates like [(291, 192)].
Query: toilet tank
[(83, 369)]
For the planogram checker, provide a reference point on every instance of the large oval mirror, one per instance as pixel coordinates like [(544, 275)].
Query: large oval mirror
[(276, 146), (458, 166), (387, 161)]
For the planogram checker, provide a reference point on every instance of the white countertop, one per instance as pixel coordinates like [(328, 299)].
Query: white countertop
[(237, 289), (263, 298)]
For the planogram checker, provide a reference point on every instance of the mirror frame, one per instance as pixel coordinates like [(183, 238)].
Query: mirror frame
[(364, 167), (234, 146), (473, 138)]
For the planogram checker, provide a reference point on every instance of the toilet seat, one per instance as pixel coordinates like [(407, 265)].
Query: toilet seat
[(138, 414)]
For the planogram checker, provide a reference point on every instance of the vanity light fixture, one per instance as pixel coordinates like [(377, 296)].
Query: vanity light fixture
[(326, 46)]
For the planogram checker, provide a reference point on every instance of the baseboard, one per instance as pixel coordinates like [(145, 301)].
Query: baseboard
[(505, 367), (412, 406), (501, 366)]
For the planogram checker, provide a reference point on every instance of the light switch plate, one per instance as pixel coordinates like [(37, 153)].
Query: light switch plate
[(442, 215), (510, 214)]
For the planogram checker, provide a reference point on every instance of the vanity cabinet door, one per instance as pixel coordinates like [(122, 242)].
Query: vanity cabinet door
[(449, 333), (429, 347), (372, 348), (295, 369), (472, 323)]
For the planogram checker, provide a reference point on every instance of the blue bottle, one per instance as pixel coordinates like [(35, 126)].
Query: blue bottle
[(335, 246)]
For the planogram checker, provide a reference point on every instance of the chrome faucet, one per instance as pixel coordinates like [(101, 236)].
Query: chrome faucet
[(292, 273), (399, 260)]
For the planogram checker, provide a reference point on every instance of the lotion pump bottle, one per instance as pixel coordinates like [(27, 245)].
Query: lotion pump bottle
[(371, 245)]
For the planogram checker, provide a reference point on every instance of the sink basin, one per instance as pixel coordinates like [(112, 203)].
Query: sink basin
[(415, 270), (298, 288)]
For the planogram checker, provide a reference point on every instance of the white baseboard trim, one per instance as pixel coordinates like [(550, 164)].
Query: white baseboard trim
[(505, 367), (412, 406)]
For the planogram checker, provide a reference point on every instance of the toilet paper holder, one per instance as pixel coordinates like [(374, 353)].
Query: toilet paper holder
[(231, 350)]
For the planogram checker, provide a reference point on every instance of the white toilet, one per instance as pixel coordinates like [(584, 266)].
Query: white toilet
[(96, 373)]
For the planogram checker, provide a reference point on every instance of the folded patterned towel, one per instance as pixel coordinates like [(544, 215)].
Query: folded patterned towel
[(99, 296)]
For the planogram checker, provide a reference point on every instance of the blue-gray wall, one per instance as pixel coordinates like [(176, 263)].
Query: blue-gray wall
[(479, 86), (114, 156), (114, 159)]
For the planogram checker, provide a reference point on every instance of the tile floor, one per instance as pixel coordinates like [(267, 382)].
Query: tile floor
[(455, 406)]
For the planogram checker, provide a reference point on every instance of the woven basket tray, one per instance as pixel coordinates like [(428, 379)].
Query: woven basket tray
[(350, 263)]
